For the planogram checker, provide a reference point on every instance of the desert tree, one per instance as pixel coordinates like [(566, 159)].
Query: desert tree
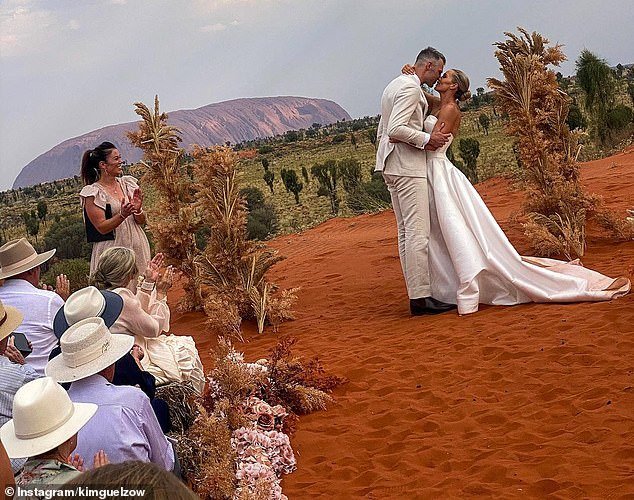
[(372, 131), (305, 175), (353, 140), (556, 205), (327, 174), (172, 220), (596, 79), (265, 164), (350, 174), (484, 120), (269, 178), (469, 151), (42, 209), (292, 183), (31, 224)]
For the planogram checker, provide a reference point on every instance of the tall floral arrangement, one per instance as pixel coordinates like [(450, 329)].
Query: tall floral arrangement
[(556, 204), (232, 268), (172, 218)]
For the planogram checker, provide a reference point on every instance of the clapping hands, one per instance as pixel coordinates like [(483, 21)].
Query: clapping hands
[(75, 460), (137, 200), (62, 286), (165, 282), (153, 268)]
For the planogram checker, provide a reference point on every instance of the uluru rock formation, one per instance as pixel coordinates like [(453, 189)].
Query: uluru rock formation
[(235, 121)]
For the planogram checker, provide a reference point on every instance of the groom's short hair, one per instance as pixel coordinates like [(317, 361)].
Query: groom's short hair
[(430, 54)]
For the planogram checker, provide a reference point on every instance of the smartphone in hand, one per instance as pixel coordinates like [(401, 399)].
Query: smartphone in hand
[(21, 344)]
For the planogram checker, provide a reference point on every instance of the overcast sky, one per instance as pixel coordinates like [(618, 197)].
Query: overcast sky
[(71, 66)]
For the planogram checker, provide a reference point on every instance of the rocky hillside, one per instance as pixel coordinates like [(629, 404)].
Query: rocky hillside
[(237, 120)]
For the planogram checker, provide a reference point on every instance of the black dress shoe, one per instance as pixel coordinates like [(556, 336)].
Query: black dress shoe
[(428, 305)]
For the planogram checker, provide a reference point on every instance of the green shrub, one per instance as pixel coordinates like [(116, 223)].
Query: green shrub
[(619, 117), (262, 222), (68, 236), (253, 196), (77, 271), (265, 149), (339, 138)]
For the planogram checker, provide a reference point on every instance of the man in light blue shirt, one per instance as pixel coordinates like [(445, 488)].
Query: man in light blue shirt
[(125, 425)]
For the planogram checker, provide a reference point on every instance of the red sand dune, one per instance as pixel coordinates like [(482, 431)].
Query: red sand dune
[(527, 400)]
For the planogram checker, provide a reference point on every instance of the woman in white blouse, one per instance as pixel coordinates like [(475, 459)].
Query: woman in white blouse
[(146, 316)]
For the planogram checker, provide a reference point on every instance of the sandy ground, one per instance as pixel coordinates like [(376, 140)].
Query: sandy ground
[(530, 400)]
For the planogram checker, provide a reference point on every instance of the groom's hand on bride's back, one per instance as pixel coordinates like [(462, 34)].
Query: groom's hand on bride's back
[(437, 139)]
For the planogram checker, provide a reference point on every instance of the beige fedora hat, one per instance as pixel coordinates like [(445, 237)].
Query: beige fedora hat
[(87, 348), (18, 256), (10, 319), (43, 418)]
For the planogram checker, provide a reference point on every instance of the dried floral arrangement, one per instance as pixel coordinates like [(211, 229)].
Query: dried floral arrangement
[(231, 267), (556, 204), (172, 220), (227, 278), (238, 445)]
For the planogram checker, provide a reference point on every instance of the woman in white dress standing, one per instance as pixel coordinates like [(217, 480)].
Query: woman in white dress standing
[(112, 205), (471, 261)]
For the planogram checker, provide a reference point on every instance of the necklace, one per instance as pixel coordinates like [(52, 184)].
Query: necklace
[(113, 193)]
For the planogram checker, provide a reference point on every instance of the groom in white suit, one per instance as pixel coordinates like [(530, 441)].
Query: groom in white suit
[(404, 166)]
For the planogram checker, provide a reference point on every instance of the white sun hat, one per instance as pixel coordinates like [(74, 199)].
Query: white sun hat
[(87, 348), (43, 418)]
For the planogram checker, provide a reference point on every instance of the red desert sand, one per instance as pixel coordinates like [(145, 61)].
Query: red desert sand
[(529, 400)]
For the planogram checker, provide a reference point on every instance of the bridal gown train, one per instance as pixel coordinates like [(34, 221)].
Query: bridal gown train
[(471, 261)]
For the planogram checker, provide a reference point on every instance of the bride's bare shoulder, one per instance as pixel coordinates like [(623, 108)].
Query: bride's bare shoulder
[(450, 115)]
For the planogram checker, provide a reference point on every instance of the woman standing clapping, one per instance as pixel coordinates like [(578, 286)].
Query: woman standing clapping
[(113, 206)]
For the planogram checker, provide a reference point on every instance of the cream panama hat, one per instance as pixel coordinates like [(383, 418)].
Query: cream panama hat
[(10, 319), (85, 303), (43, 418), (18, 256), (87, 348)]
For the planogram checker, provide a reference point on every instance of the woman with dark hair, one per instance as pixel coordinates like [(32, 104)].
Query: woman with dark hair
[(113, 205)]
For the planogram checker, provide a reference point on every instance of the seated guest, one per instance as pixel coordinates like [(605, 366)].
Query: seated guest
[(145, 315), (89, 302), (44, 428), (135, 475), (14, 373), (125, 425), (20, 268)]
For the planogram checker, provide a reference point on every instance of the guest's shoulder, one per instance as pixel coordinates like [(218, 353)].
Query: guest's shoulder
[(124, 292), (128, 395)]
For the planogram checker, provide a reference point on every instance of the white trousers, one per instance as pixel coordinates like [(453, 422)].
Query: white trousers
[(410, 201)]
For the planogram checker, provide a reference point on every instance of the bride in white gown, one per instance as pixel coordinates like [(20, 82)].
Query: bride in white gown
[(471, 260)]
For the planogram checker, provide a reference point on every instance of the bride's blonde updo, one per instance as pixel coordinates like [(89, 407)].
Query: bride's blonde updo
[(463, 93)]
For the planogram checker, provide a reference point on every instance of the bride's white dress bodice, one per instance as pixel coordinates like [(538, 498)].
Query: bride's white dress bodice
[(428, 126)]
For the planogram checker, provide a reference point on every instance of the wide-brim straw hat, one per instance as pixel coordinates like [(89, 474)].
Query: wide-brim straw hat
[(18, 256), (43, 418), (88, 303), (87, 348), (10, 319)]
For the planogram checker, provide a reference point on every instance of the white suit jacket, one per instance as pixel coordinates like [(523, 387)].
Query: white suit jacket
[(403, 110)]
